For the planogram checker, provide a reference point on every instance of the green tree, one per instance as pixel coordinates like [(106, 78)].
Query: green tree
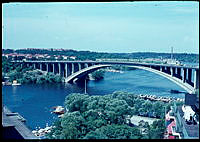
[(157, 129), (98, 75)]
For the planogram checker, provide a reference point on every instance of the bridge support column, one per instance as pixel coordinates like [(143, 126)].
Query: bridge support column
[(174, 71), (171, 71), (168, 71), (178, 71), (34, 66), (189, 75), (66, 72), (47, 67), (86, 65), (59, 68), (72, 68), (184, 72), (79, 66), (162, 69), (196, 79), (41, 66), (53, 68)]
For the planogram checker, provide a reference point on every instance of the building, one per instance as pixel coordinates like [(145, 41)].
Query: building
[(183, 121)]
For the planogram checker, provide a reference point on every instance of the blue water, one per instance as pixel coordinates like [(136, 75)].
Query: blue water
[(34, 102)]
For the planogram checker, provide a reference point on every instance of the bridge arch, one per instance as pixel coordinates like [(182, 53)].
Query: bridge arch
[(177, 81), (84, 71), (90, 69)]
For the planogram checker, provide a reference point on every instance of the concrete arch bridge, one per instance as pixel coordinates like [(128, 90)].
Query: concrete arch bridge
[(185, 77)]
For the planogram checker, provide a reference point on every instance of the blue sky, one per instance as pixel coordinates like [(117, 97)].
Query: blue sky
[(103, 27)]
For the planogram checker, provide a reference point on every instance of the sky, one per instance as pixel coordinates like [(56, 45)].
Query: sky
[(115, 27)]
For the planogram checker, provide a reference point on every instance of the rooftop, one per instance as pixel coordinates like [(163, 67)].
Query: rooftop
[(192, 129)]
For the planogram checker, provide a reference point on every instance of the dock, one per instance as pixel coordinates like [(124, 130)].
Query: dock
[(14, 126)]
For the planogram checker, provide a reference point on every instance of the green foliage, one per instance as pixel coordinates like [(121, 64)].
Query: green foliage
[(157, 129), (98, 75), (27, 74), (114, 131), (104, 117), (7, 66)]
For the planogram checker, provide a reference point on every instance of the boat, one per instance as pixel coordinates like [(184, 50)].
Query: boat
[(15, 83), (59, 110), (6, 83)]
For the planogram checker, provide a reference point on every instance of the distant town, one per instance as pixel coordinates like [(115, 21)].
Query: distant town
[(68, 54)]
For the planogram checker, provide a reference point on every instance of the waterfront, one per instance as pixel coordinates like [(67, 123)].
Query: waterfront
[(34, 102)]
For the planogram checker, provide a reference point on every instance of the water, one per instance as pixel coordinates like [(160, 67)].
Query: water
[(34, 102)]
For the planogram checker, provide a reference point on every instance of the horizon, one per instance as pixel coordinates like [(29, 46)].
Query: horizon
[(98, 51), (115, 27)]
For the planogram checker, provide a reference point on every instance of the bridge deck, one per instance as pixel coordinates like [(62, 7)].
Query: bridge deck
[(110, 62)]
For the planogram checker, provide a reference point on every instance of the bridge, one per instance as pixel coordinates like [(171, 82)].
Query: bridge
[(185, 77)]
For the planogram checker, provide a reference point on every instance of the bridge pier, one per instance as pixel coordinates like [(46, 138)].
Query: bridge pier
[(53, 68), (59, 68), (76, 67), (162, 69), (66, 71), (72, 68), (47, 67), (171, 71), (196, 79), (86, 65), (184, 75), (79, 66), (34, 66), (41, 67), (189, 77), (168, 70), (178, 73)]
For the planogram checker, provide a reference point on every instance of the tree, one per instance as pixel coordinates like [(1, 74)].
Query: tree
[(98, 75), (104, 117), (95, 135), (157, 129), (76, 102), (117, 132)]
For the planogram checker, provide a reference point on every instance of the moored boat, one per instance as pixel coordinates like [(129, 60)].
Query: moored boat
[(15, 83), (59, 110)]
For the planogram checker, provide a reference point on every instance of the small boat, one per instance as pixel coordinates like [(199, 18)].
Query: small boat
[(15, 83), (59, 110), (7, 83)]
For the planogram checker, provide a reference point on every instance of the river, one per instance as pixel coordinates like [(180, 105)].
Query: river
[(34, 102)]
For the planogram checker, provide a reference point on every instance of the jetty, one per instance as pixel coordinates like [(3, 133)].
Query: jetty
[(14, 126)]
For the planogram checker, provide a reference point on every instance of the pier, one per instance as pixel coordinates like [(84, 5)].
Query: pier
[(14, 126)]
